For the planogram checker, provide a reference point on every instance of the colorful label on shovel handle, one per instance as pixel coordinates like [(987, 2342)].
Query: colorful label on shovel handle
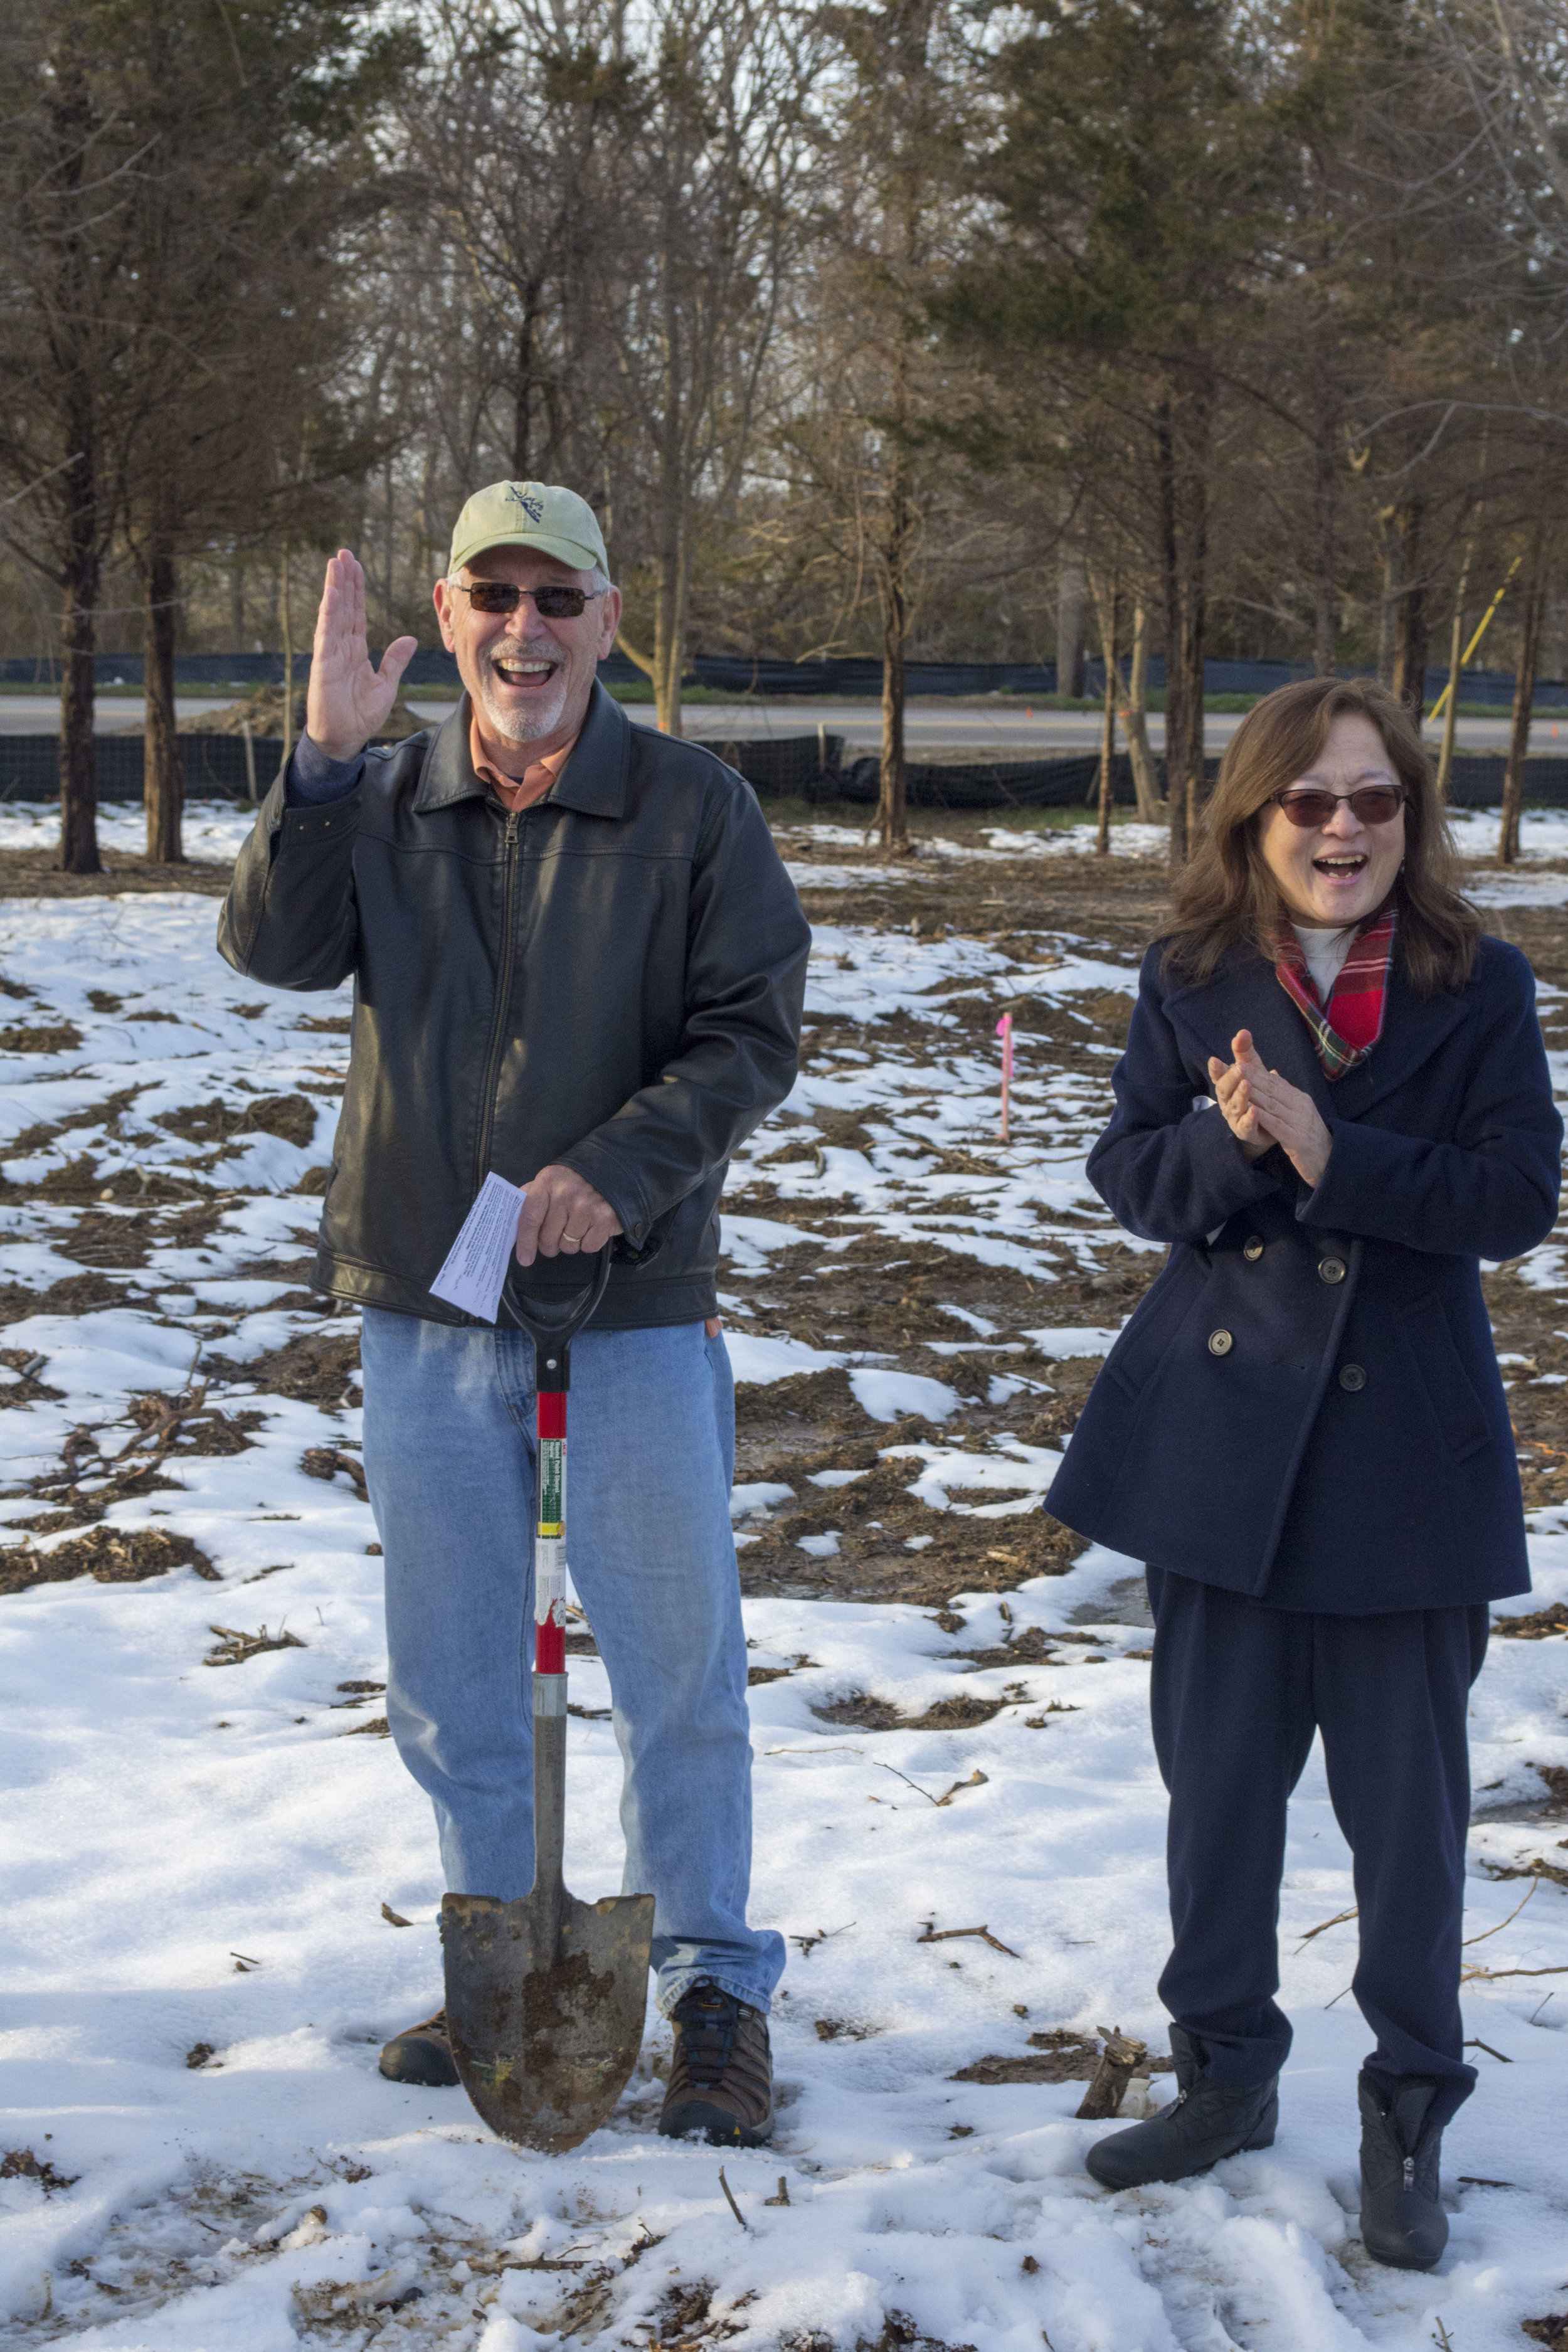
[(551, 1485), (550, 1548)]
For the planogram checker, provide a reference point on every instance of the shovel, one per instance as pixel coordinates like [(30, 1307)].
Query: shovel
[(547, 1996)]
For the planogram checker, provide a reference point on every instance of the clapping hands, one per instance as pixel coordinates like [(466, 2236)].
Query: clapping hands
[(1261, 1109), (347, 700)]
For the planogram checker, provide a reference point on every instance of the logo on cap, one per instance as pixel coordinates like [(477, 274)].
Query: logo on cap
[(532, 506)]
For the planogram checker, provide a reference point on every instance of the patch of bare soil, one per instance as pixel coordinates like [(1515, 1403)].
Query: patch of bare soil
[(856, 1712), (108, 1554), (35, 873), (319, 1367)]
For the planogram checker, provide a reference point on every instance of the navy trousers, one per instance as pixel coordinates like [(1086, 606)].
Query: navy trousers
[(1238, 1690)]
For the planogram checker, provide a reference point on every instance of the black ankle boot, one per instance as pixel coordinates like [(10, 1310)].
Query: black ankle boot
[(1401, 2218), (1204, 2122)]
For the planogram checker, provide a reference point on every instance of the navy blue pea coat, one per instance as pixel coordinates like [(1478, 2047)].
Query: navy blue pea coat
[(1305, 1406)]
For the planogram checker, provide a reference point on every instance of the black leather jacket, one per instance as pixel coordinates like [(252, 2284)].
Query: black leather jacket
[(611, 980)]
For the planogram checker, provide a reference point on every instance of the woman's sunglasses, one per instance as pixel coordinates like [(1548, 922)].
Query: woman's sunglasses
[(1372, 804), (551, 602)]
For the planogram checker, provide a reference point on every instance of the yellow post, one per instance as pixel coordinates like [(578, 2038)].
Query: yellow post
[(1436, 709)]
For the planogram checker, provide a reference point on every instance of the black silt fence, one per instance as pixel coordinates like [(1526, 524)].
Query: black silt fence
[(795, 767)]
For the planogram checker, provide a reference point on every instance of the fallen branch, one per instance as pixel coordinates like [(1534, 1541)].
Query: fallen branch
[(731, 2202), (1494, 1976), (1324, 1924), (1502, 1923), (977, 1780), (935, 1935)]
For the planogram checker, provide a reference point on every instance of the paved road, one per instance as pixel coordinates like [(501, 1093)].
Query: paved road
[(1012, 731)]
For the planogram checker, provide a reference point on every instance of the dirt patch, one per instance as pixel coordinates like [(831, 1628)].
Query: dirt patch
[(77, 1294), (35, 873), (327, 1460), (108, 1554), (318, 1367), (1058, 2055), (1541, 1625), (292, 1117), (21, 2164), (857, 1712), (62, 1037)]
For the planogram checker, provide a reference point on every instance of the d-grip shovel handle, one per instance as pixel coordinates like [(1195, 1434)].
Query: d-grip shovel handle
[(554, 1323)]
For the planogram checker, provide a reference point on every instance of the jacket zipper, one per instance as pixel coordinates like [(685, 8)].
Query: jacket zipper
[(503, 990)]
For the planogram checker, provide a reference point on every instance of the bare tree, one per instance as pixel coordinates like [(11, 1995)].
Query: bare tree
[(704, 226), (66, 163)]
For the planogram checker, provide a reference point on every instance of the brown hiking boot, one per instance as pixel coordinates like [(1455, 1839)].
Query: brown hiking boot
[(721, 2075), (421, 2055)]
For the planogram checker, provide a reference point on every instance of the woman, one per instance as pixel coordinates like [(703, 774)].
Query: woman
[(1334, 1104)]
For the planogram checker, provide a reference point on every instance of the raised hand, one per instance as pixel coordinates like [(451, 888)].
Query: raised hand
[(347, 700), (1262, 1108)]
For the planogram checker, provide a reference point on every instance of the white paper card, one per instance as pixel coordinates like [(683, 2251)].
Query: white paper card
[(477, 1262)]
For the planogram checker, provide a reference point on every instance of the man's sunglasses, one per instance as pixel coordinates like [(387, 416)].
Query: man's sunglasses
[(551, 603), (1373, 803)]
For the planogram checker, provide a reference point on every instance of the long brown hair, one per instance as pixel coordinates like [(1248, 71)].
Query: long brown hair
[(1226, 896)]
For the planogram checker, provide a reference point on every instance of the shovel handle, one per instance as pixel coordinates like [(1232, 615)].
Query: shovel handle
[(550, 1537), (552, 1325)]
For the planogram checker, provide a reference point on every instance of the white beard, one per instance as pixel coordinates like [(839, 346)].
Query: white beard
[(527, 723)]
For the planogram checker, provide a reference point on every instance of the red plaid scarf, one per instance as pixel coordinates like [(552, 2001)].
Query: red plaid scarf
[(1345, 1030)]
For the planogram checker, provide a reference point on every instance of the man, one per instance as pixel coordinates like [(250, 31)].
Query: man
[(577, 960)]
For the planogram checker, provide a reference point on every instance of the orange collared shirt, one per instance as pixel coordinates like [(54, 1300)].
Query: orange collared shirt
[(518, 792)]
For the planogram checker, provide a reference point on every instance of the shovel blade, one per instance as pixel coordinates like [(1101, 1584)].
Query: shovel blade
[(545, 2004)]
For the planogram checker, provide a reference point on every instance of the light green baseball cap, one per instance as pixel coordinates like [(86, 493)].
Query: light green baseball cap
[(540, 515)]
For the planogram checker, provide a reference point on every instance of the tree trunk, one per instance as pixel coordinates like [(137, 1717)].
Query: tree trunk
[(670, 584), (389, 552), (285, 614), (1185, 502), (1070, 629), (1171, 586), (1385, 608), (1324, 454), (79, 764), (894, 589), (892, 799), (1455, 654), (1108, 730), (1450, 714), (1188, 777), (1411, 628), (522, 393), (162, 777), (1523, 698), (1135, 724)]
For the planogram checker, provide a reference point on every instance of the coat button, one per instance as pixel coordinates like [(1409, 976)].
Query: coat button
[(1353, 1377), (1331, 1270), (1252, 1250), (1220, 1343)]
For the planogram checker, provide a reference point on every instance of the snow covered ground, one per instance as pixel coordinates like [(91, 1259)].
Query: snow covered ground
[(204, 1838)]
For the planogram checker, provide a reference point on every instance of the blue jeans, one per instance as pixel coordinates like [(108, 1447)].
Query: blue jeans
[(449, 1460)]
